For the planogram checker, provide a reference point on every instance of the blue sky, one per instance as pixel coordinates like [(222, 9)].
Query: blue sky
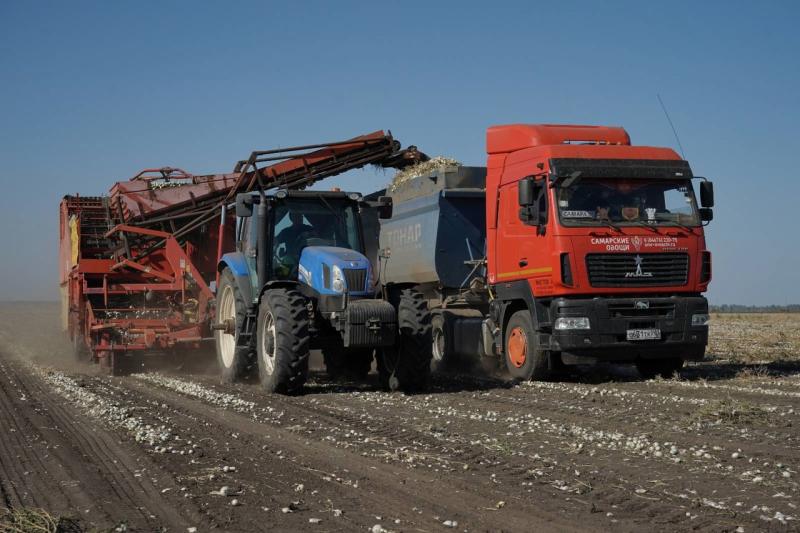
[(92, 92)]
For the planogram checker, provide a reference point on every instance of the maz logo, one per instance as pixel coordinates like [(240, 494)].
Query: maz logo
[(638, 273)]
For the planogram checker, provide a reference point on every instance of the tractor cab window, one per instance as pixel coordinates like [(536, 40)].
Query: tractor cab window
[(592, 202), (301, 222)]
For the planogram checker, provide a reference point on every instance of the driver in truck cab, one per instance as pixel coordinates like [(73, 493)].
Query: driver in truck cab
[(290, 242)]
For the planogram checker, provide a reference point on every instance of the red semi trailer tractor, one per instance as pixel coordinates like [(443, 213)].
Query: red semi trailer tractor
[(571, 246)]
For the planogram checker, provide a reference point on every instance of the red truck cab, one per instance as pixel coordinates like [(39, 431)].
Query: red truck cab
[(595, 250)]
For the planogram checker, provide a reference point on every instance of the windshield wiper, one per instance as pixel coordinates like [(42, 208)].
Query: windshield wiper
[(644, 224), (610, 224)]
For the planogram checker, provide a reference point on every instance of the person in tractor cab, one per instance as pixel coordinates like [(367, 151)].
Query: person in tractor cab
[(289, 242)]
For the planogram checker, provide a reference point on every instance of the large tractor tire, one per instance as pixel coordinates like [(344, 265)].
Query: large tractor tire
[(282, 341), (665, 368), (407, 364), (341, 363), (524, 359), (233, 360)]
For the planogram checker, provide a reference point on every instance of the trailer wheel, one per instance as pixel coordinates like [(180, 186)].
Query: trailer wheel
[(80, 352), (231, 311), (524, 359), (407, 365), (282, 341), (666, 368)]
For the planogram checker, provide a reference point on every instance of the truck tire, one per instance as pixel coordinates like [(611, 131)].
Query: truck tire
[(524, 359), (282, 341), (407, 365), (666, 368), (233, 360), (439, 336)]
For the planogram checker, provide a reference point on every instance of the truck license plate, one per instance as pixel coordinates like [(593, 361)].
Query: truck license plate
[(644, 334)]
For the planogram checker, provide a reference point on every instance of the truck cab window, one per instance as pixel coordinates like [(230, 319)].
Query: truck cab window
[(589, 202)]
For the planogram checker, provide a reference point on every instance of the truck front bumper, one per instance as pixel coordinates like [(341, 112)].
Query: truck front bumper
[(606, 340)]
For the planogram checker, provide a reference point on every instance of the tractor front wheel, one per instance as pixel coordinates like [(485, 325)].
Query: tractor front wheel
[(282, 341)]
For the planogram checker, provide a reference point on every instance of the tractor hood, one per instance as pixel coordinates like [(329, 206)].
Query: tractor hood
[(331, 270)]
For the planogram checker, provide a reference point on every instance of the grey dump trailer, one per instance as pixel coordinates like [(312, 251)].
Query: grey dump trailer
[(435, 245)]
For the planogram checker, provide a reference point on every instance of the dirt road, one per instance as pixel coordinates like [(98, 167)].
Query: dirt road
[(717, 450)]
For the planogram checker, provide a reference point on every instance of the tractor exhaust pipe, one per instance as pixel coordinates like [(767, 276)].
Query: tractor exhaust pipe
[(261, 244)]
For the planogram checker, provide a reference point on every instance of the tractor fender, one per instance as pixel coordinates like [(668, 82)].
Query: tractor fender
[(236, 262)]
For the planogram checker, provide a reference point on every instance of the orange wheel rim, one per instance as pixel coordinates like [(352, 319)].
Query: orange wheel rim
[(518, 347)]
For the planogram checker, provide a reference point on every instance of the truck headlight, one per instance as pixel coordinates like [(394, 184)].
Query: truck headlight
[(577, 322), (700, 319), (337, 283)]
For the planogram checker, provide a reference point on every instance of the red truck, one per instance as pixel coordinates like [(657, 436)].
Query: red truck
[(571, 246)]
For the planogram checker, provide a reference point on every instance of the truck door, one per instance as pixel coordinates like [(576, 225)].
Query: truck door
[(522, 252)]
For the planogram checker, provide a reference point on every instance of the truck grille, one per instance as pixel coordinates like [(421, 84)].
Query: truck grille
[(356, 278), (641, 308), (637, 270)]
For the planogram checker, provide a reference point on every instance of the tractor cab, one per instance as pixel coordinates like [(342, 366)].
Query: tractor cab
[(314, 238)]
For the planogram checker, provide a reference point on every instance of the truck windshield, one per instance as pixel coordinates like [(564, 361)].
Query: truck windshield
[(301, 222), (594, 202)]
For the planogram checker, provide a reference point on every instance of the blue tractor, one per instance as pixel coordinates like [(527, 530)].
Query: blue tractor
[(299, 280)]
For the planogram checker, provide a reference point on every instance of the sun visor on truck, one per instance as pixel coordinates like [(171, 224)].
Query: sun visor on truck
[(622, 168)]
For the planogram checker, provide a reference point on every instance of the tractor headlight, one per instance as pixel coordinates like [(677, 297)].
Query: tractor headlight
[(337, 283), (700, 319)]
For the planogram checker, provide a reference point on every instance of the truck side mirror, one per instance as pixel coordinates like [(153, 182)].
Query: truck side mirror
[(244, 205), (526, 192), (385, 207), (706, 194), (706, 214)]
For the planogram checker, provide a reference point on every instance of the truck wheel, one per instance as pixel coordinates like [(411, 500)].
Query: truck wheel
[(666, 368), (282, 341), (407, 365), (524, 359), (438, 342), (232, 360)]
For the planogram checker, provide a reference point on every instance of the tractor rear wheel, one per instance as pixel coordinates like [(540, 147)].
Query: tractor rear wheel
[(524, 359), (407, 364), (282, 341), (232, 359)]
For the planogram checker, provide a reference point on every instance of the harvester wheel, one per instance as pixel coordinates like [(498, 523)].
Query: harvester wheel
[(524, 359), (666, 368), (407, 364), (282, 342), (231, 310)]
